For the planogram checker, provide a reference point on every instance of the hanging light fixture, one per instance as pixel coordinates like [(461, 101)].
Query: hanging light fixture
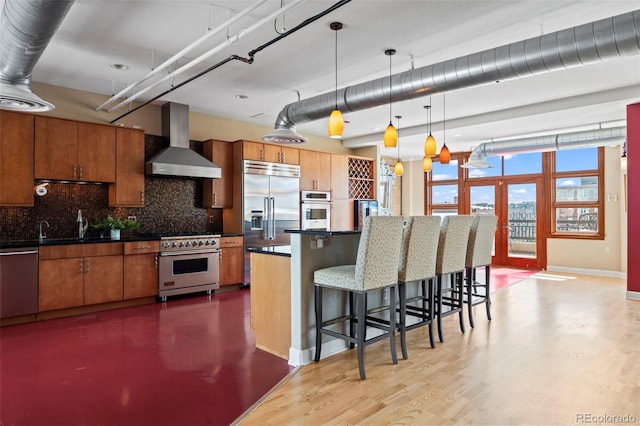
[(336, 123), (430, 146), (390, 135), (445, 155), (399, 169), (427, 164)]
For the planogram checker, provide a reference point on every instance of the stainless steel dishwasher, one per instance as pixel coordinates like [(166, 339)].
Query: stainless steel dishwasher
[(18, 281)]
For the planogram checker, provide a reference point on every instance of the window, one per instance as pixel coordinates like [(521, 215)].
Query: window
[(443, 188), (577, 193)]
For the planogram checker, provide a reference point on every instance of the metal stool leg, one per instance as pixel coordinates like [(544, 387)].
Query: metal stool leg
[(318, 304)]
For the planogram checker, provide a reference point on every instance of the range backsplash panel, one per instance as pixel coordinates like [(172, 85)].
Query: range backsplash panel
[(172, 204)]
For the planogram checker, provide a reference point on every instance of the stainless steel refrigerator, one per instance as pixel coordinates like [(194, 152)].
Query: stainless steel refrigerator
[(271, 204)]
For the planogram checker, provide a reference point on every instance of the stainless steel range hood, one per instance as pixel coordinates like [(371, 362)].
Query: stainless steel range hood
[(178, 159)]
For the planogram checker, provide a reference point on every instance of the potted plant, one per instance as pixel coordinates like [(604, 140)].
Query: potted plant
[(115, 225)]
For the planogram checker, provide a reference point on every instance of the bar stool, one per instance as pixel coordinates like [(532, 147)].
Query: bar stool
[(452, 250), (479, 248), (376, 268), (418, 263)]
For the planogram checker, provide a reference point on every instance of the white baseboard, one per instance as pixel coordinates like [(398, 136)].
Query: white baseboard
[(299, 357), (633, 295), (598, 272)]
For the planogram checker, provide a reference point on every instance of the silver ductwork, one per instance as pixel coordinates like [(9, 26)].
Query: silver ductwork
[(26, 28), (596, 41), (178, 159), (590, 138)]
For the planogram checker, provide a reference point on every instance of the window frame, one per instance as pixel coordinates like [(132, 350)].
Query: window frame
[(598, 204)]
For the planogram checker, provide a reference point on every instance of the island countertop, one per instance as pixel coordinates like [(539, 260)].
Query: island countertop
[(325, 233), (274, 250)]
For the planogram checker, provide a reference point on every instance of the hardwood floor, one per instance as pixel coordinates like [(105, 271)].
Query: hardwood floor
[(560, 348)]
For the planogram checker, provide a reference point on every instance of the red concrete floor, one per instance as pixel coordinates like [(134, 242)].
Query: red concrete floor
[(190, 361)]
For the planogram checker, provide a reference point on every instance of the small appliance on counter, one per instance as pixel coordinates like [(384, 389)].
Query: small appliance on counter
[(362, 209), (315, 210)]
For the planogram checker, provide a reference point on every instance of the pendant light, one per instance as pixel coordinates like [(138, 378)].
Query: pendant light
[(399, 168), (390, 135), (445, 155), (336, 123), (430, 146), (427, 164)]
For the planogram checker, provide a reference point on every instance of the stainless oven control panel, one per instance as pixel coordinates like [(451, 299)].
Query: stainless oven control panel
[(199, 242)]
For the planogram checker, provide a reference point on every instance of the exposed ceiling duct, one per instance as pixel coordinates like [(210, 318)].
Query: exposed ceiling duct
[(178, 159), (596, 41), (584, 139), (27, 28)]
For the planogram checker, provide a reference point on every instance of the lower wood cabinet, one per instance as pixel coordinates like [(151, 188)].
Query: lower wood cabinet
[(231, 260), (79, 274), (140, 269)]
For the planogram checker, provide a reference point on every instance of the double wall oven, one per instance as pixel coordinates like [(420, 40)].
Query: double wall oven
[(188, 264)]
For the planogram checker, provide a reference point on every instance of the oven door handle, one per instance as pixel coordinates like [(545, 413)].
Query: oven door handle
[(185, 252)]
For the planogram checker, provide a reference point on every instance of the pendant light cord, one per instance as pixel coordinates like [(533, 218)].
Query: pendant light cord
[(336, 74), (444, 116), (390, 88)]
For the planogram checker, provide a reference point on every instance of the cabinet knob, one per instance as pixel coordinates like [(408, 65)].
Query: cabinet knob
[(215, 199), (81, 264), (80, 172), (86, 266), (75, 171), (142, 197), (155, 260)]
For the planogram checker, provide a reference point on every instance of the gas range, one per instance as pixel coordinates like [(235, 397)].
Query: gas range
[(181, 243)]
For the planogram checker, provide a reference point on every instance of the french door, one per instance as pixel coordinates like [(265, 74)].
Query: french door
[(515, 201)]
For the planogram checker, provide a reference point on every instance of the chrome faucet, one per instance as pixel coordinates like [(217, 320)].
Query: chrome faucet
[(83, 225), (43, 235)]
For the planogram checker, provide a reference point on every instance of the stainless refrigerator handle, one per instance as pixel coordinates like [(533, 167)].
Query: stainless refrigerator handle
[(267, 216), (273, 218)]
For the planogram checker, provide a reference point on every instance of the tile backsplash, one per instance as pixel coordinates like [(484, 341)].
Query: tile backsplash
[(172, 204)]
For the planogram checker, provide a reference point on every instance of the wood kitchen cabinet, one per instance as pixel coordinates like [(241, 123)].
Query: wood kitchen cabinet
[(140, 269), (218, 192), (16, 159), (339, 177), (128, 189), (231, 260), (71, 150), (315, 171), (79, 274), (270, 152)]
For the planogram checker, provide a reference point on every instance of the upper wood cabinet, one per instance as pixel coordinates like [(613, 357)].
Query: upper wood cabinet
[(339, 177), (315, 171), (128, 189), (71, 150), (218, 192), (270, 152), (16, 159)]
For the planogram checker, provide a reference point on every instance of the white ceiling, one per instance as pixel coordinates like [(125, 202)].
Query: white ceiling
[(142, 34)]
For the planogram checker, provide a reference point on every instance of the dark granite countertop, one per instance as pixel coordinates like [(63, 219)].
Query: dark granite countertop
[(325, 233), (274, 250), (237, 234), (64, 241)]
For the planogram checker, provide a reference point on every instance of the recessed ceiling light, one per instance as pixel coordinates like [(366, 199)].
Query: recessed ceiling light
[(119, 67), (457, 135), (242, 97), (375, 129)]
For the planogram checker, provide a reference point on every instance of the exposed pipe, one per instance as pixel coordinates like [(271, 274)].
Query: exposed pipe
[(584, 139), (596, 41), (239, 58), (27, 29), (227, 42), (183, 52)]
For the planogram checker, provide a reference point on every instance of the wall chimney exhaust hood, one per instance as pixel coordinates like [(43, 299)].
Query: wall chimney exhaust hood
[(178, 159)]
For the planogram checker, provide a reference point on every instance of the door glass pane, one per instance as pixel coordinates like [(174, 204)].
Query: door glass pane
[(483, 201), (494, 170), (522, 164), (577, 159), (444, 212), (441, 171), (444, 194), (521, 202)]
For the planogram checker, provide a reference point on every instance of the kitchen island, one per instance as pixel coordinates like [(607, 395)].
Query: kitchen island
[(275, 289)]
